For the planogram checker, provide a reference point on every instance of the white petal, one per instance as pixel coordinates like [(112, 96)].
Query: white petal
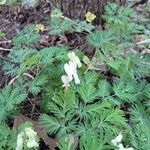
[(131, 148), (114, 142), (19, 141), (30, 133), (118, 139), (73, 65), (65, 79), (71, 55), (76, 78), (120, 146), (70, 68), (75, 59), (32, 143), (69, 71)]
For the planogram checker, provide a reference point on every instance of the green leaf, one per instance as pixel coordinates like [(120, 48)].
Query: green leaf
[(87, 89), (10, 97), (35, 86), (51, 124), (104, 88), (26, 37), (100, 39), (83, 26), (93, 142), (87, 92), (59, 26), (126, 90)]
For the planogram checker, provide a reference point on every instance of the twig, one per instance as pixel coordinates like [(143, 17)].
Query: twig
[(66, 18), (12, 80), (25, 74), (139, 3), (5, 49), (4, 42), (145, 52), (28, 75), (33, 108)]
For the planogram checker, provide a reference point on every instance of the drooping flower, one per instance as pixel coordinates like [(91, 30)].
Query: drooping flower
[(66, 80), (90, 17), (71, 70)]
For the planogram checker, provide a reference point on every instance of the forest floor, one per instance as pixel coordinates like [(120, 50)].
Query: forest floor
[(12, 20)]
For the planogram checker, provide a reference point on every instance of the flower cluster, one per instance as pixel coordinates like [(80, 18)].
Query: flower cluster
[(39, 27), (117, 142), (71, 70), (29, 136), (90, 17), (2, 2)]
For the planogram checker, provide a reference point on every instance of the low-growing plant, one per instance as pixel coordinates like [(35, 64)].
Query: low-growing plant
[(80, 105)]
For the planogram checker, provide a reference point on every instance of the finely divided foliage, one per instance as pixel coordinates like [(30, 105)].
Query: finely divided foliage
[(99, 107)]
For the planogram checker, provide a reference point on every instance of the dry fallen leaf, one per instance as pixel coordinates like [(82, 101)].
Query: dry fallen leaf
[(44, 40)]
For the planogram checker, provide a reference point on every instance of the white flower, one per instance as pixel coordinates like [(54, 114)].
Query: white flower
[(20, 141), (29, 136), (32, 143), (76, 78), (66, 80), (2, 2), (75, 59), (30, 133), (117, 140), (120, 146), (131, 148), (71, 71)]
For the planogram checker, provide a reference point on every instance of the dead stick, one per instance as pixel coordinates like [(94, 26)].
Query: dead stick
[(25, 74), (5, 49), (4, 42)]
